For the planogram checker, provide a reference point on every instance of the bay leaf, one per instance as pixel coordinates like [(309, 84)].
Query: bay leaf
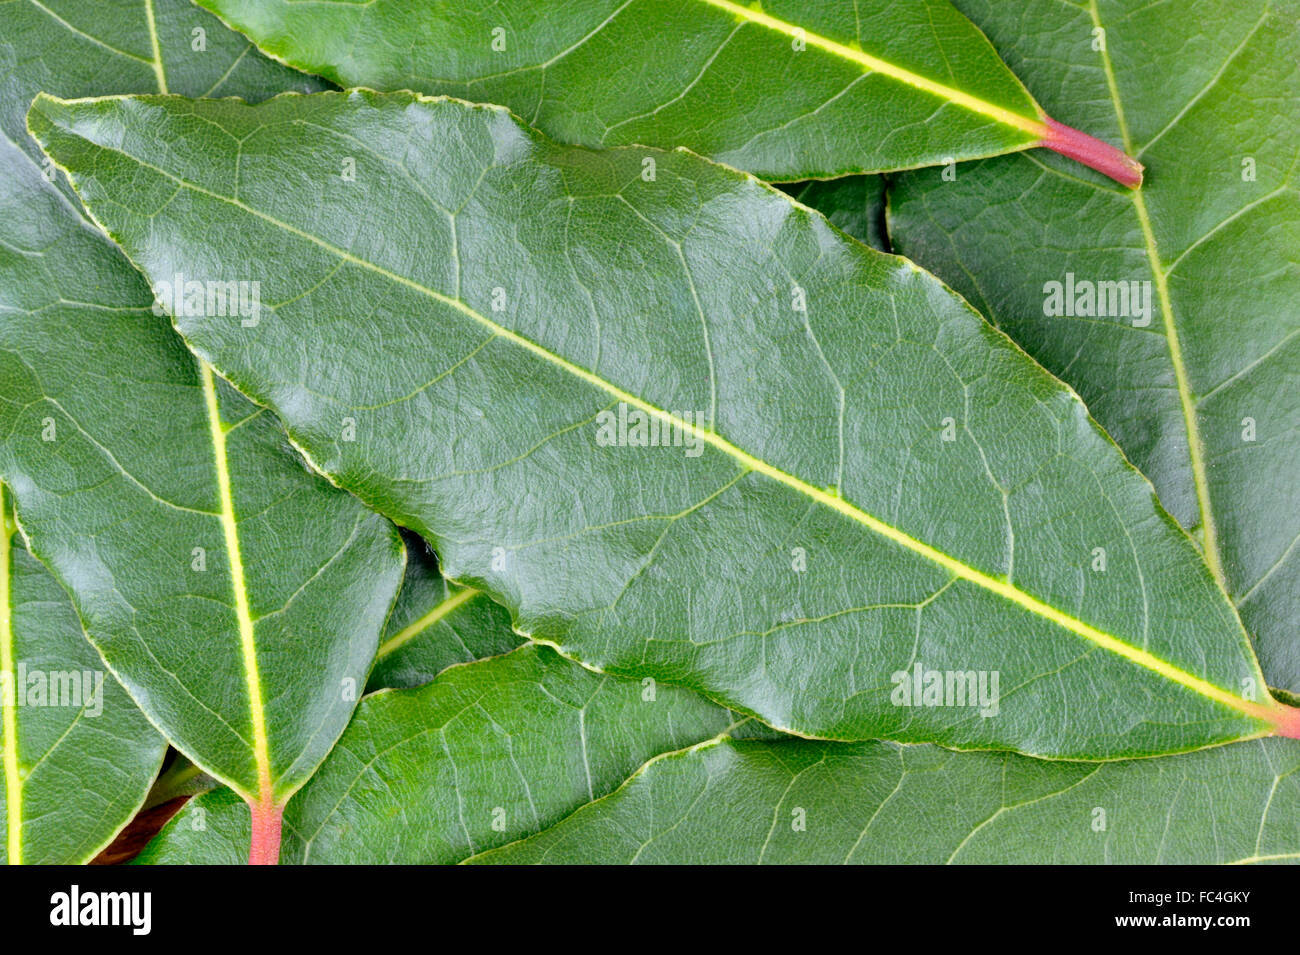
[(1173, 312), (237, 596), (854, 482), (78, 756), (787, 89)]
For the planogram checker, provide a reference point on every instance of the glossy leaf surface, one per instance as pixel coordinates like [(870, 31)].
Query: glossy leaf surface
[(1199, 382), (743, 802), (238, 597), (864, 480), (485, 754), (742, 797), (788, 90), (78, 756)]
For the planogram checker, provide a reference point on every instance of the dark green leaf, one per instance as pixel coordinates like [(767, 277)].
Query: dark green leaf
[(435, 624), (236, 596), (1201, 385), (797, 801), (487, 753), (462, 330), (790, 89), (390, 794)]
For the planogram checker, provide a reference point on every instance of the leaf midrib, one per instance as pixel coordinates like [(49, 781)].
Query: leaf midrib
[(1186, 399), (243, 613), (413, 630), (159, 71), (1270, 713), (229, 525), (872, 64), (9, 694)]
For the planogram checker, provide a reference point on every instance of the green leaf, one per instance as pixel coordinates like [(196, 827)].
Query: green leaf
[(799, 538), (789, 89), (1202, 390), (743, 795), (237, 597), (78, 756), (797, 801), (180, 779), (435, 624), (487, 753)]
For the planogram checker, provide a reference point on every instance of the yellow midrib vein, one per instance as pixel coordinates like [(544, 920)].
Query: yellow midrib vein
[(1186, 401), (1263, 712), (247, 641), (9, 697), (1035, 126), (409, 632), (158, 70)]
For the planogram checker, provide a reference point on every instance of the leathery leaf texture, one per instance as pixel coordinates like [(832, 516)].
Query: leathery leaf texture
[(543, 783), (77, 755), (1196, 370), (677, 423), (789, 89), (745, 802), (237, 596), (487, 753)]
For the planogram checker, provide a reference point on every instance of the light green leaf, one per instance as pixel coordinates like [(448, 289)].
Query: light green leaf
[(78, 757), (1200, 385), (487, 753), (237, 597), (435, 624), (741, 802), (801, 535), (789, 89)]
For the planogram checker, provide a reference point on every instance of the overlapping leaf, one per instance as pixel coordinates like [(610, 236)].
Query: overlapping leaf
[(1200, 381), (77, 755), (747, 802), (485, 754), (238, 597), (855, 204), (787, 90), (435, 624), (852, 477), (744, 796)]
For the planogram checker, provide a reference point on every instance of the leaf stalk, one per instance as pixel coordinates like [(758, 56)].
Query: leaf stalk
[(264, 847), (1092, 152)]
